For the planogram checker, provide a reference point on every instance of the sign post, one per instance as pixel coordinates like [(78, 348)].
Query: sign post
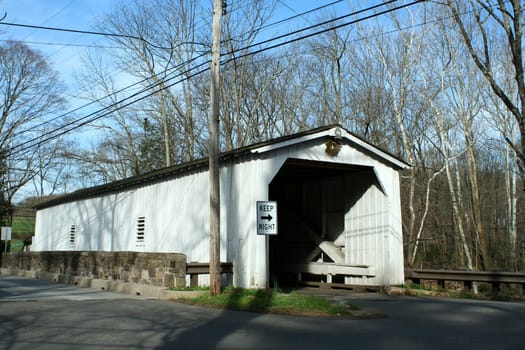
[(266, 217), (6, 235), (267, 226)]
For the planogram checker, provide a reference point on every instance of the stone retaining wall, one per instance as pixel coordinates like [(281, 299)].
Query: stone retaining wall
[(154, 269)]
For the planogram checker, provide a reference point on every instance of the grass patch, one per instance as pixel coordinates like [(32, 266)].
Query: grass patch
[(271, 301), (23, 227), (16, 245), (191, 289), (419, 287)]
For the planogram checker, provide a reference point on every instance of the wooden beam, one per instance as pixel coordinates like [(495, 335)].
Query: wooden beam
[(204, 268), (330, 269), (328, 247)]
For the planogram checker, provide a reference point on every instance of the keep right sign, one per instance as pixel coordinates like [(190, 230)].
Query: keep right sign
[(266, 217)]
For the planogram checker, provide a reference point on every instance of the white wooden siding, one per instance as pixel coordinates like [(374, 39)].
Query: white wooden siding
[(176, 213)]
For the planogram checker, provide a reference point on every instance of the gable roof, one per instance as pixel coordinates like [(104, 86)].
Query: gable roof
[(330, 131)]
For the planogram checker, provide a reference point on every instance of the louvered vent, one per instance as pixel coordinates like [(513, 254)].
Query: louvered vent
[(72, 235), (141, 226)]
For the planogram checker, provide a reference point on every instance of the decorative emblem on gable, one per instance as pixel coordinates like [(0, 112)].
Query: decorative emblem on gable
[(332, 147)]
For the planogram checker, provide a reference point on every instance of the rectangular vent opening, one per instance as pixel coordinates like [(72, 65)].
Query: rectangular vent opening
[(141, 227), (72, 235)]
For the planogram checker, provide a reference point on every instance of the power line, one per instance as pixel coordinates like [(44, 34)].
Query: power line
[(60, 44), (300, 14), (329, 22), (53, 16), (77, 31), (325, 30), (168, 86), (111, 106), (115, 107), (128, 36), (416, 25), (97, 33), (261, 29), (165, 72)]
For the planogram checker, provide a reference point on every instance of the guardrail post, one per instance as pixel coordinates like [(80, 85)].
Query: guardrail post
[(496, 287), (467, 286)]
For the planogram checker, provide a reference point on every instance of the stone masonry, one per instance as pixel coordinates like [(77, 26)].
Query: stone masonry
[(153, 269)]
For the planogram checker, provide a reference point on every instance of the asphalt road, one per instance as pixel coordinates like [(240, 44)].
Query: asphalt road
[(36, 314)]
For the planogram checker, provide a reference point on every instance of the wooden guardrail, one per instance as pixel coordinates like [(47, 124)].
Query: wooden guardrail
[(495, 278), (195, 269)]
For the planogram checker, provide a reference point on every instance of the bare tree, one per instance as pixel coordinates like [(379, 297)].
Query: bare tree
[(484, 25), (159, 47), (162, 43), (443, 126), (116, 153), (461, 95), (330, 53), (55, 170), (30, 92), (246, 80), (505, 124), (400, 58)]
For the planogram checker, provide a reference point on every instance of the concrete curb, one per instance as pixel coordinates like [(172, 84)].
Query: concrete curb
[(156, 292), (180, 294)]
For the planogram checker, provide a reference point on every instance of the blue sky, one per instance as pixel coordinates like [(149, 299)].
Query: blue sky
[(81, 14), (58, 47), (62, 50)]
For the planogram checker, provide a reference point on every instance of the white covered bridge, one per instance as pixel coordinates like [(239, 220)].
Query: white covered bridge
[(339, 216)]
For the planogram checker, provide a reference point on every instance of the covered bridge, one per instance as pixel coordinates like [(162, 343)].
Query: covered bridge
[(339, 216)]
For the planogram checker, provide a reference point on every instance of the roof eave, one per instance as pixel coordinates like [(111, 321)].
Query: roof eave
[(336, 132)]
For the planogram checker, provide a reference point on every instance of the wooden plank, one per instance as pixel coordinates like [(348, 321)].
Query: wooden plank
[(204, 268), (330, 269), (353, 287)]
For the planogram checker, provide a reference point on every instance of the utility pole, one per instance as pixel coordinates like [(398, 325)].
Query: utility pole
[(213, 152)]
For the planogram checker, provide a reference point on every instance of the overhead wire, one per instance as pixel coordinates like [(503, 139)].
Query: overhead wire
[(77, 31), (84, 32), (37, 141), (145, 79), (303, 13), (51, 17), (299, 14), (114, 108), (332, 20), (82, 119), (105, 112), (100, 99), (128, 36), (167, 71), (59, 44)]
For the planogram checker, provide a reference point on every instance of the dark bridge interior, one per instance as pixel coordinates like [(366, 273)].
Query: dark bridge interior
[(312, 202)]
